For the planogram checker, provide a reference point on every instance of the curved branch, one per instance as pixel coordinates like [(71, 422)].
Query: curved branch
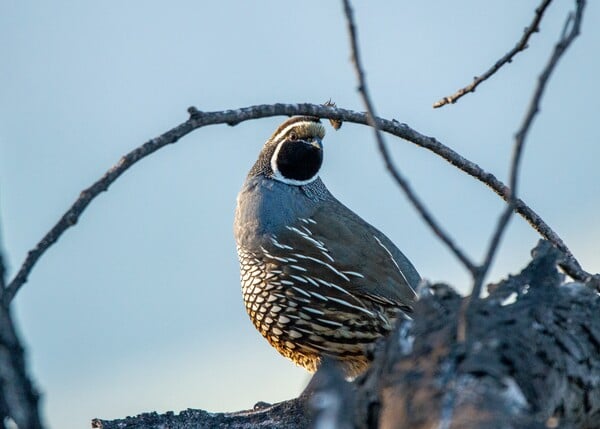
[(383, 149), (520, 46), (233, 117)]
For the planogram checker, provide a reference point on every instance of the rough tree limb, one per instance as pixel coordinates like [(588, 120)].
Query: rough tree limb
[(285, 415), (521, 45), (18, 398), (535, 364), (536, 359)]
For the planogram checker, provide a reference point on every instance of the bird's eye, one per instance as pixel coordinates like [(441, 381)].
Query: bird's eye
[(293, 136)]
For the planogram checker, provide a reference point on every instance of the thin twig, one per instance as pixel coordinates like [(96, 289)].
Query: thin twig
[(233, 117), (412, 196), (521, 45), (567, 38)]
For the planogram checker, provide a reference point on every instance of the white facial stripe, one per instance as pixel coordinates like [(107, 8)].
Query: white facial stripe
[(283, 132), (277, 174)]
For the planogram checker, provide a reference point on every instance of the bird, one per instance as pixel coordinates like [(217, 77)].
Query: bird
[(318, 281)]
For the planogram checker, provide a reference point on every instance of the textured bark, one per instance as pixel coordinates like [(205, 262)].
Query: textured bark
[(285, 415), (531, 359), (534, 362), (18, 397)]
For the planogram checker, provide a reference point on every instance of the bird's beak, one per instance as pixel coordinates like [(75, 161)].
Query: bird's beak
[(317, 142)]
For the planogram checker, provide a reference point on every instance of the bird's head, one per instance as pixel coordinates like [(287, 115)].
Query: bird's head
[(294, 153)]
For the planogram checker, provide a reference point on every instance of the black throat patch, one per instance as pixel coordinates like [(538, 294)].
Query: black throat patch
[(299, 160)]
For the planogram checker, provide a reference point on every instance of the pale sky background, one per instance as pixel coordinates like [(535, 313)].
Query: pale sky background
[(138, 308)]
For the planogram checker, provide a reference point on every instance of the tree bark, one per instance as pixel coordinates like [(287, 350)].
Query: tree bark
[(530, 359)]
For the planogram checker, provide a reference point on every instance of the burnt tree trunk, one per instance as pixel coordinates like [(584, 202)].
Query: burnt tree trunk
[(531, 359)]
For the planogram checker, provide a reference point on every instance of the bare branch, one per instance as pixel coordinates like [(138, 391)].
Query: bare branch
[(521, 45), (410, 193), (233, 117), (570, 32)]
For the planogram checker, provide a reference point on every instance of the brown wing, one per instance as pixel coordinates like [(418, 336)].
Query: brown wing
[(347, 259)]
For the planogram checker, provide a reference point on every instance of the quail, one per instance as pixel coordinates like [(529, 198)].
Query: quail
[(317, 280)]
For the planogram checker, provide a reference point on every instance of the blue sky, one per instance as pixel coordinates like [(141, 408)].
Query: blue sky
[(138, 307)]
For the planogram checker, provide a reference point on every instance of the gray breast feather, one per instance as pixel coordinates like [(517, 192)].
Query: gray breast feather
[(266, 206)]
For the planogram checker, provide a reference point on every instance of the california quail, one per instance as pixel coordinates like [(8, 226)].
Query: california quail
[(317, 279)]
